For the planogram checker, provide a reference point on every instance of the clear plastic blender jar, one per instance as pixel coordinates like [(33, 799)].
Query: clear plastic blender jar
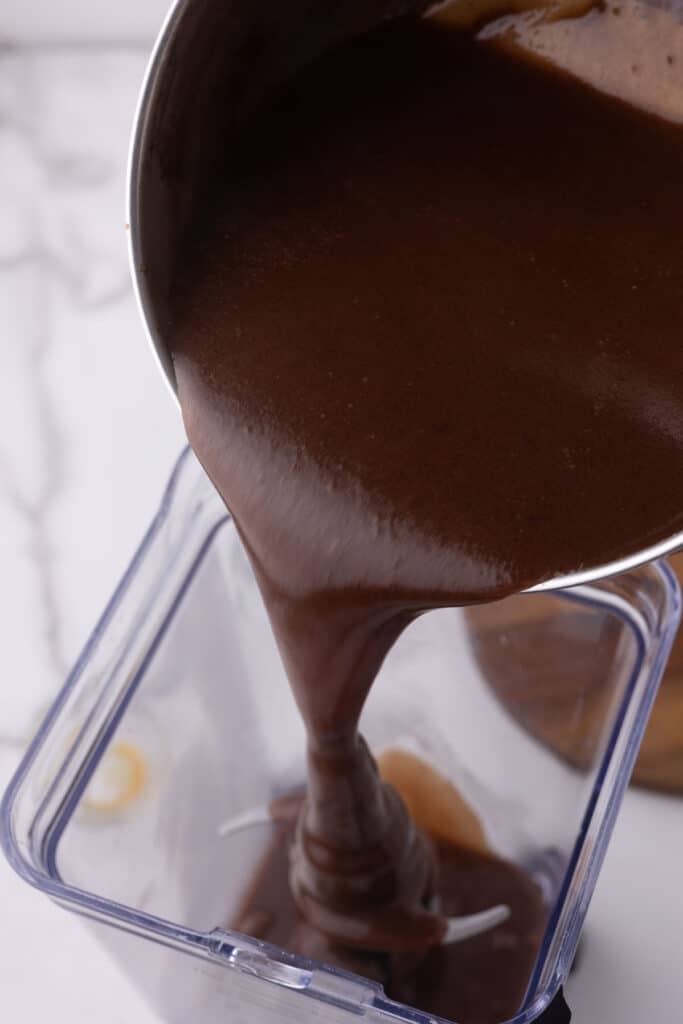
[(177, 719)]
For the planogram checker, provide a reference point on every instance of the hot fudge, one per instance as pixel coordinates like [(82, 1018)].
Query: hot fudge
[(427, 344)]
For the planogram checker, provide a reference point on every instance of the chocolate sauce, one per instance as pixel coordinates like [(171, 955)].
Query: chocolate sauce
[(481, 981), (427, 341)]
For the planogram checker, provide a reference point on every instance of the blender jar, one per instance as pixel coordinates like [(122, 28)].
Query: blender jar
[(177, 720)]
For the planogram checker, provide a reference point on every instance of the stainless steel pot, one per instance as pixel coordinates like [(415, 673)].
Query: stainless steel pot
[(229, 52)]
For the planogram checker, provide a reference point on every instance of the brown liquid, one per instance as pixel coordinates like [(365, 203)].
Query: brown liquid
[(428, 347), (480, 981)]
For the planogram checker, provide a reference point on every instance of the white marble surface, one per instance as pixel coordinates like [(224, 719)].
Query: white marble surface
[(79, 391), (40, 21), (87, 436)]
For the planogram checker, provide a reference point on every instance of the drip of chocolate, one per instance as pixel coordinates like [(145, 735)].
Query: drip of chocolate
[(480, 981), (427, 338), (361, 872)]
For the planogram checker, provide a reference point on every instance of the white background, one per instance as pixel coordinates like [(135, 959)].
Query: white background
[(77, 488), (42, 20)]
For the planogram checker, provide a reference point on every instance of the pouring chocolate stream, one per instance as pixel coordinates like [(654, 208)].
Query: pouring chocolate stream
[(427, 343)]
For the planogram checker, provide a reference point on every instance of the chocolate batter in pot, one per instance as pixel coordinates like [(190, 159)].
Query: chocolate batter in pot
[(428, 347)]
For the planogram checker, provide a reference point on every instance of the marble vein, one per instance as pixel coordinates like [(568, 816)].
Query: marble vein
[(77, 387)]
